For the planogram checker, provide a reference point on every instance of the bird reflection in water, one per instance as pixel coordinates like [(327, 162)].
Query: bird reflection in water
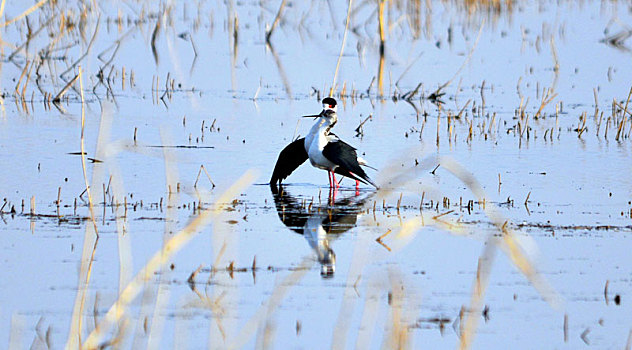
[(320, 224)]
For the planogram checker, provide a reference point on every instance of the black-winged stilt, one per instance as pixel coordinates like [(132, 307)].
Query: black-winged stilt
[(324, 150)]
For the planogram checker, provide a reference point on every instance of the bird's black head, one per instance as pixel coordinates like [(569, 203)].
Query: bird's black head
[(329, 103)]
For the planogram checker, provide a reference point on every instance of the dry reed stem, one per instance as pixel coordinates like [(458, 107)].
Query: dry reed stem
[(2, 8), (380, 69), (207, 175), (276, 21), (546, 99), (397, 336), (17, 86), (163, 291), (23, 14), (359, 259), (174, 245), (83, 153), (91, 237), (61, 93), (28, 77), (342, 49), (123, 239)]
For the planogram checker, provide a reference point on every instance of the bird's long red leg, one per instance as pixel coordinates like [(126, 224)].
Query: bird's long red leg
[(357, 192), (333, 176), (329, 175)]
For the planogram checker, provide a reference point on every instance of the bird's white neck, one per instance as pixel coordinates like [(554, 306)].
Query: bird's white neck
[(319, 129)]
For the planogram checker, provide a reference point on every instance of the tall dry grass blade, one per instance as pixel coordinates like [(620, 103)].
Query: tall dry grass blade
[(359, 259), (381, 24), (368, 323), (397, 336), (342, 49), (276, 21), (174, 245), (91, 236), (163, 291), (16, 331), (2, 8), (83, 153), (23, 14)]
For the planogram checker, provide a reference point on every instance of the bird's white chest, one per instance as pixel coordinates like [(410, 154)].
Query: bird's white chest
[(315, 152)]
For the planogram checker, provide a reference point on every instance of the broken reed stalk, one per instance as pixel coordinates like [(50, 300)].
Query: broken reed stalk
[(207, 175), (582, 128), (623, 120), (276, 21), (61, 93), (379, 239), (546, 99), (342, 49)]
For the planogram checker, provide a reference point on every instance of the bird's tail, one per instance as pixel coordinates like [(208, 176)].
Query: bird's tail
[(364, 163)]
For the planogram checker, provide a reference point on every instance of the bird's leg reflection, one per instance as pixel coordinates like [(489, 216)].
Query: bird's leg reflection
[(332, 196), (320, 225)]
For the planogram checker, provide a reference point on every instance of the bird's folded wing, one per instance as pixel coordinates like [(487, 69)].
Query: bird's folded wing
[(345, 156)]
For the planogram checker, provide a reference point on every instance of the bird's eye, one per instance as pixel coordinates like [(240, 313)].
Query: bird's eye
[(331, 106)]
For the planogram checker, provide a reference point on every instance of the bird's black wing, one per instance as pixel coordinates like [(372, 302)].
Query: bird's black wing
[(290, 158), (289, 210), (345, 156)]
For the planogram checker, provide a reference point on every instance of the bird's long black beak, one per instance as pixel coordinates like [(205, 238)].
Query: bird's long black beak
[(311, 116)]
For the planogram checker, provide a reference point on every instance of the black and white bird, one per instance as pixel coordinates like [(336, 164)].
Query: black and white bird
[(324, 150)]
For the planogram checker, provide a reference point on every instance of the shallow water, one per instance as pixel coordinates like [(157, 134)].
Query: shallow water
[(235, 106)]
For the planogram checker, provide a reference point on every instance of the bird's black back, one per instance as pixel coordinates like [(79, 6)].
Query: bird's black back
[(292, 156), (345, 156)]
